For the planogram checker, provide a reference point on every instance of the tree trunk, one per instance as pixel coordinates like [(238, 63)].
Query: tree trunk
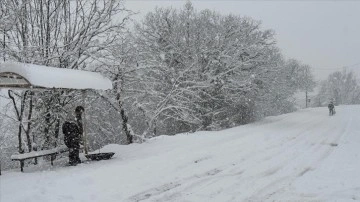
[(21, 150), (24, 31), (19, 115), (47, 130), (128, 134), (124, 117), (28, 131), (57, 131)]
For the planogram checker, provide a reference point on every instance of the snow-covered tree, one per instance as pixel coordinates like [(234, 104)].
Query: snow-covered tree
[(207, 71), (120, 65), (341, 87)]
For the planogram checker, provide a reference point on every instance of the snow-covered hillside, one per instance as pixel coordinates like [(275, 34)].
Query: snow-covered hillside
[(302, 156)]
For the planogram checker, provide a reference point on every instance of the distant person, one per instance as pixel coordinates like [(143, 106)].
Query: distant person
[(331, 108)]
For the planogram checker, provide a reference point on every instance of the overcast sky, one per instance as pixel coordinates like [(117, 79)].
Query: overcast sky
[(323, 34)]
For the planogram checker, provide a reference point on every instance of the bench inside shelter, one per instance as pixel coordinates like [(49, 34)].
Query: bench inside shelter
[(35, 154)]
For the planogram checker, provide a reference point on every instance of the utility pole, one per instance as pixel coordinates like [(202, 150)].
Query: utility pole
[(306, 86), (306, 98)]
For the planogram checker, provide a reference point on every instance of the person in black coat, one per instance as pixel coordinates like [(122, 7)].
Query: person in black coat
[(72, 141), (331, 108), (72, 136)]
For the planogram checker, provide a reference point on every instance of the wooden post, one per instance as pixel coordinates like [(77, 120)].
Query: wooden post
[(84, 122), (22, 165), (52, 157)]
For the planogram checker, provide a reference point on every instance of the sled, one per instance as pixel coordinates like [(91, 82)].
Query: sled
[(100, 156)]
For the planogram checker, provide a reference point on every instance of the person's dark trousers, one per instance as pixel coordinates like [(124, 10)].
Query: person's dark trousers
[(74, 156)]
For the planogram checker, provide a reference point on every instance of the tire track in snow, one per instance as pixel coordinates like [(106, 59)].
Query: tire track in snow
[(275, 185), (323, 150), (153, 192), (195, 182), (190, 184), (305, 141), (300, 168), (295, 139), (156, 193)]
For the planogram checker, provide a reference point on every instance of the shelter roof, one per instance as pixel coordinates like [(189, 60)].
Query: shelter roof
[(23, 75)]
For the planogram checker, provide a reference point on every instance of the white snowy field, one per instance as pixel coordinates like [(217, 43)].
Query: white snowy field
[(302, 156)]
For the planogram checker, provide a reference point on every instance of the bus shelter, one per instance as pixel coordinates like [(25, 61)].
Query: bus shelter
[(14, 75)]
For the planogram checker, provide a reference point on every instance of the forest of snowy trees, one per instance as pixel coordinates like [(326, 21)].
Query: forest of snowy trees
[(176, 70), (341, 86)]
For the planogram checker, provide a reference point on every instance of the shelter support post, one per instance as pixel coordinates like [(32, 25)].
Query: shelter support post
[(84, 122), (22, 165)]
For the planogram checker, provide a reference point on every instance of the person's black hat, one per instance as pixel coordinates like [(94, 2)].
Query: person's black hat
[(79, 109)]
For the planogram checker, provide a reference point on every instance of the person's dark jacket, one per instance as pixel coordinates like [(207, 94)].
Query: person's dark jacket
[(71, 134)]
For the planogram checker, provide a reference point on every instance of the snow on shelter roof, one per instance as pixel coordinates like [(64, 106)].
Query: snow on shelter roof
[(23, 75)]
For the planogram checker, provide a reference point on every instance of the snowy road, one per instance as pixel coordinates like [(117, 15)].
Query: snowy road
[(302, 156)]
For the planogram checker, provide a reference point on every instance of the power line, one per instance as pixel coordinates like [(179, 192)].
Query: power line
[(337, 68), (353, 65)]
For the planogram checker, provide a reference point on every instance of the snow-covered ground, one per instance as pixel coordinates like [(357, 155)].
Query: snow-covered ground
[(302, 156)]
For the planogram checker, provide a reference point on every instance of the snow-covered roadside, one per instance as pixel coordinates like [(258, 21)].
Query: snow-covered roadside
[(304, 156)]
